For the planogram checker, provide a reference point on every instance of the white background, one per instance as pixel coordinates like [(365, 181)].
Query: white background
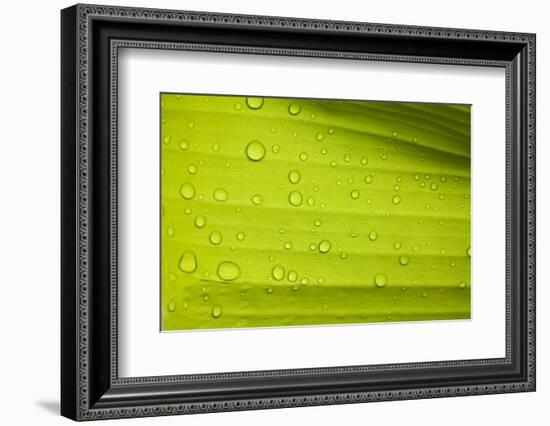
[(29, 229), (146, 352)]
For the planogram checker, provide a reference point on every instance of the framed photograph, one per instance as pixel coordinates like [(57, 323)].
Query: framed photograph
[(263, 212)]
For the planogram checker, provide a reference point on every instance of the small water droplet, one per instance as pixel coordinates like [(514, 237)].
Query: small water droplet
[(215, 237), (355, 194), (192, 169), (373, 235), (468, 252), (394, 134), (187, 191), (292, 276), (228, 271), (200, 221), (171, 306), (188, 210), (254, 103), (294, 108), (324, 246), (353, 233), (368, 179), (257, 199), (317, 222), (404, 260), (269, 290), (380, 280), (347, 158), (294, 176), (217, 311), (333, 164), (320, 136), (295, 198), (364, 161), (276, 149), (238, 106), (188, 262), (287, 245), (278, 272), (220, 194), (433, 186), (240, 236), (191, 125), (462, 284), (303, 156), (344, 255), (166, 139), (384, 157), (170, 231), (255, 150), (396, 199), (216, 147), (424, 294), (304, 281), (310, 201)]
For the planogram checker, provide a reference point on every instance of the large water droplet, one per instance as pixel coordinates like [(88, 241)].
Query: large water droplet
[(254, 103), (184, 144), (380, 280), (215, 237), (187, 191), (295, 198), (217, 311), (228, 271), (294, 176), (294, 108), (278, 272), (255, 150), (324, 246), (188, 262), (220, 194), (200, 221), (257, 199)]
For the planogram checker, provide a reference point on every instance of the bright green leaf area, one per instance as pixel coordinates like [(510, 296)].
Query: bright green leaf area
[(288, 212)]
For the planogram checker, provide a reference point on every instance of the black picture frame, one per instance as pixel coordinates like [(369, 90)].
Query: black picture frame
[(90, 38)]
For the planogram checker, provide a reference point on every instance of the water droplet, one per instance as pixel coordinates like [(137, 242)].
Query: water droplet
[(324, 246), (294, 176), (384, 157), (317, 222), (191, 125), (187, 191), (304, 281), (294, 108), (330, 131), (188, 210), (320, 136), (292, 276), (468, 252), (368, 179), (276, 149), (373, 235), (228, 271), (200, 221), (217, 311), (257, 199), (295, 198), (355, 194), (254, 103), (278, 272), (364, 161), (188, 262), (347, 158), (394, 133), (170, 231), (344, 255), (269, 290), (303, 156), (240, 236), (333, 164), (404, 260), (433, 186), (287, 245), (220, 194), (166, 139), (462, 284), (424, 294), (396, 199), (171, 306), (216, 147), (192, 169), (353, 233), (310, 201), (255, 150), (380, 280), (215, 237)]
